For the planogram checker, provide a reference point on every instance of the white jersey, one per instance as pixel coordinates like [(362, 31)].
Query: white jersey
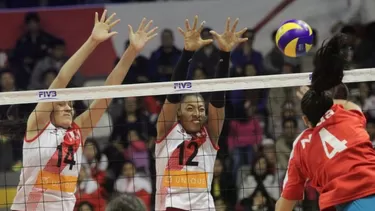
[(51, 164), (184, 168)]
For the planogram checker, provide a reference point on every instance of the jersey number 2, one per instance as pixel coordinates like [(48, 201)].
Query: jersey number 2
[(189, 161), (328, 138)]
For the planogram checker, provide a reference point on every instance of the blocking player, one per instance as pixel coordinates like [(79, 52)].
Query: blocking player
[(335, 152), (186, 150)]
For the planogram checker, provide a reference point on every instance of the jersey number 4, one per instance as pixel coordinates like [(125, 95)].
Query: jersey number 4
[(328, 139), (191, 146)]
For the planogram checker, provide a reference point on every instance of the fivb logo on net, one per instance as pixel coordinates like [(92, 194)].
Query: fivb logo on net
[(47, 95), (182, 86)]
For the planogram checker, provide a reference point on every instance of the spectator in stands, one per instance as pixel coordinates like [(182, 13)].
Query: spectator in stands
[(262, 177), (54, 60), (362, 97), (46, 78), (7, 84), (85, 206), (245, 54), (284, 143), (93, 159), (245, 133), (268, 150), (259, 201), (126, 202), (257, 97), (279, 100), (138, 72), (164, 58), (132, 118), (206, 58), (32, 46), (89, 190), (221, 206), (223, 185), (365, 53), (130, 181), (137, 152)]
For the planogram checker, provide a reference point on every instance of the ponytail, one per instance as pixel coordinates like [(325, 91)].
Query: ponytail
[(330, 61)]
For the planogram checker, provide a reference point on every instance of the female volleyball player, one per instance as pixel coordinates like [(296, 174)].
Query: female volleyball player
[(186, 151), (52, 150), (335, 152)]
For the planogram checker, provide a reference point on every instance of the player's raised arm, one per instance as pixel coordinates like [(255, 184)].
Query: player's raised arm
[(348, 105), (192, 42), (138, 40), (294, 181), (226, 42), (100, 33)]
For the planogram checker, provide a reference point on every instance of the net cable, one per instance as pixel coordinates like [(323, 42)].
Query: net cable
[(175, 87)]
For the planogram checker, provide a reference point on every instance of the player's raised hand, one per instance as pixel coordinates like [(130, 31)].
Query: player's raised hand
[(230, 38), (139, 38), (192, 35), (302, 91), (102, 28)]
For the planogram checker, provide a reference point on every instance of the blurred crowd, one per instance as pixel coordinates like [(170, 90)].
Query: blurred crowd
[(255, 143)]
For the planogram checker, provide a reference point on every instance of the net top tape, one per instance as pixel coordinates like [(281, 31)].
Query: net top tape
[(176, 87)]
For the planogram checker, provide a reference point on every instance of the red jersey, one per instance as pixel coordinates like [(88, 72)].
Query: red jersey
[(336, 157)]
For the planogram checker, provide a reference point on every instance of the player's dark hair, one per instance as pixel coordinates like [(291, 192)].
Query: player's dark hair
[(183, 97), (330, 62), (125, 202)]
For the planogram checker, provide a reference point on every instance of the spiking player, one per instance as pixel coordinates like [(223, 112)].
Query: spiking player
[(335, 152), (186, 150)]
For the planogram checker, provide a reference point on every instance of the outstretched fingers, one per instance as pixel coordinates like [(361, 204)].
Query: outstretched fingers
[(195, 22), (206, 42), (114, 23), (102, 19), (235, 25), (142, 24), (96, 17), (181, 31), (130, 29), (240, 33), (187, 25), (148, 25), (109, 19), (214, 34), (201, 27), (227, 25)]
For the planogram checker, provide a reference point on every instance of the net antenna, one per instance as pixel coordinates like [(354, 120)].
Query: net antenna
[(177, 87)]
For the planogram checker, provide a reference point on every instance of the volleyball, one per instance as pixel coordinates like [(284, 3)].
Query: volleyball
[(294, 38)]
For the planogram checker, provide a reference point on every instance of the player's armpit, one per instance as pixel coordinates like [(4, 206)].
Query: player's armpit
[(285, 205)]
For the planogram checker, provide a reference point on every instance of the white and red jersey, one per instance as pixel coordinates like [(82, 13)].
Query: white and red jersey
[(51, 164), (184, 168)]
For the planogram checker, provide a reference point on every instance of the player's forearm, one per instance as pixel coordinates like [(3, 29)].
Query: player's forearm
[(180, 73), (118, 74), (285, 205), (74, 63), (218, 98)]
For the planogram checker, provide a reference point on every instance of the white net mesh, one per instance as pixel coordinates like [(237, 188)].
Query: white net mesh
[(119, 154)]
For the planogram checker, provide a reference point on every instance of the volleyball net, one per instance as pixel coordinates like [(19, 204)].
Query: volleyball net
[(262, 121)]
